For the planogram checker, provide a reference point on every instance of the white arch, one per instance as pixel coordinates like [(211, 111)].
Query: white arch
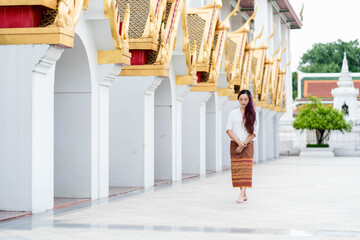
[(72, 124)]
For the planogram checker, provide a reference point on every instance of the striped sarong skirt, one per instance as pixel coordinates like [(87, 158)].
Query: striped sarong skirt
[(242, 165)]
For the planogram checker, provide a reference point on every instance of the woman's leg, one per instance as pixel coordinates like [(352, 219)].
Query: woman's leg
[(242, 195), (245, 196)]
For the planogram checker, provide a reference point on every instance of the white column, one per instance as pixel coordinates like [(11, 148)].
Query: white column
[(111, 72), (270, 24), (270, 135), (165, 130), (132, 131), (193, 132), (285, 32), (210, 133), (149, 144), (220, 130), (202, 128), (27, 136), (261, 139), (229, 106), (277, 36), (276, 135), (263, 19), (182, 91)]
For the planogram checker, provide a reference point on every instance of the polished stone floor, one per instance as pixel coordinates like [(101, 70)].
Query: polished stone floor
[(291, 198)]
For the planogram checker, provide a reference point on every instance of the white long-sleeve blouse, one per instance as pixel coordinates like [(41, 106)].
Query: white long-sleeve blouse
[(236, 124)]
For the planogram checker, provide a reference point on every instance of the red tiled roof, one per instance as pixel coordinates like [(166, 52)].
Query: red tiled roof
[(321, 88)]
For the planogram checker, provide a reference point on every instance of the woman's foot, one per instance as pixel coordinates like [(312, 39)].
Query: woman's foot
[(245, 198), (241, 199)]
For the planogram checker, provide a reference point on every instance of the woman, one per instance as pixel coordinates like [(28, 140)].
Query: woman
[(242, 128)]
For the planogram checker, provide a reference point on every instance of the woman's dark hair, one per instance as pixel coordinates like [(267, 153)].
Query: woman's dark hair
[(250, 113)]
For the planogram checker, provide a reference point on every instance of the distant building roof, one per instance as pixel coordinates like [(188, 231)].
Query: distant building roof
[(320, 84)]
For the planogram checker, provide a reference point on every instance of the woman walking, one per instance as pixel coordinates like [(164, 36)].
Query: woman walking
[(242, 127)]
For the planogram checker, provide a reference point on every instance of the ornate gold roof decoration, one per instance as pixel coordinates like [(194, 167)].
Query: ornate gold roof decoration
[(190, 79), (119, 33), (169, 30), (274, 72), (145, 22), (283, 109), (68, 14), (209, 79), (280, 91), (248, 58), (262, 79), (259, 56), (56, 27), (52, 4), (200, 28), (158, 62), (234, 60)]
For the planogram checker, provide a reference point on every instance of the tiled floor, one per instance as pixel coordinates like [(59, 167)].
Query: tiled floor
[(162, 182), (189, 176), (67, 202), (291, 199), (7, 215), (122, 190)]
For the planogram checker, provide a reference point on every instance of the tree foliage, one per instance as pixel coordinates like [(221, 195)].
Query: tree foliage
[(294, 84), (327, 57), (322, 118)]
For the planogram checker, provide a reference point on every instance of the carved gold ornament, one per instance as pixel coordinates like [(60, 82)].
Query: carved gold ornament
[(235, 53), (200, 25), (281, 85), (121, 41), (68, 14), (262, 69)]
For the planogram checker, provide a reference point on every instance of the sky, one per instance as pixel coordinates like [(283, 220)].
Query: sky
[(324, 21)]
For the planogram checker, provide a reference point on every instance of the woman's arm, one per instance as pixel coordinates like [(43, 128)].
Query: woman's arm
[(232, 136), (249, 138)]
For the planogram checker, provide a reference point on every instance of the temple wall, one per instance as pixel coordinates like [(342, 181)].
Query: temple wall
[(72, 128)]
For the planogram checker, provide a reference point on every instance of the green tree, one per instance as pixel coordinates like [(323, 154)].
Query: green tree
[(321, 118), (327, 57), (294, 84)]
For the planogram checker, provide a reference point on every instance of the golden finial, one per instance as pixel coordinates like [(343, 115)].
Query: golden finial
[(277, 50), (283, 50), (272, 34), (288, 64), (258, 36), (301, 13), (233, 13), (254, 13)]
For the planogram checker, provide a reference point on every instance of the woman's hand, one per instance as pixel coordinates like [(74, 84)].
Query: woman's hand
[(242, 144), (239, 149)]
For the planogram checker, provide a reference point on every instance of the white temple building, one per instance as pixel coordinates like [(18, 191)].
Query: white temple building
[(101, 97), (338, 89), (345, 96), (346, 100)]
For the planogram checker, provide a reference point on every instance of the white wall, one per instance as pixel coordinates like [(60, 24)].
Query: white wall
[(211, 134), (72, 129), (163, 132), (193, 132), (231, 105), (26, 147), (131, 127)]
